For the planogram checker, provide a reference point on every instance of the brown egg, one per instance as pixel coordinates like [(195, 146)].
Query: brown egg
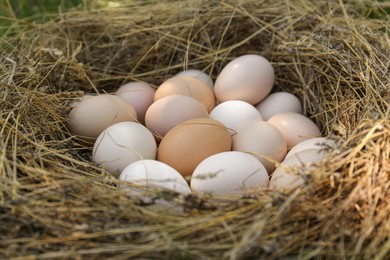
[(93, 115), (189, 143), (187, 86)]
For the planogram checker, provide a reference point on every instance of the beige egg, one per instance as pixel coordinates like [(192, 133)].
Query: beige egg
[(294, 127), (279, 102), (75, 103), (94, 114), (188, 86), (168, 112), (229, 173), (192, 141), (286, 176), (139, 94), (249, 78), (263, 140)]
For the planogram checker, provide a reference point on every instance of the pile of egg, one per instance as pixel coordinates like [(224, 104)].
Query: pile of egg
[(190, 135)]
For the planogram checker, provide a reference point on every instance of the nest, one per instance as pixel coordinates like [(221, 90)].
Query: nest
[(55, 203)]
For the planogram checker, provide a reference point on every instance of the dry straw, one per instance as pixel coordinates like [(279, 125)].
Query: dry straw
[(55, 203)]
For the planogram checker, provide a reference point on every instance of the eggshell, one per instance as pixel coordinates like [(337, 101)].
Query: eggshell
[(187, 144), (140, 95), (229, 172), (167, 112), (198, 74), (154, 174), (279, 102), (188, 86), (235, 113), (122, 144), (94, 114), (320, 143), (75, 103), (284, 177), (294, 127), (263, 140), (248, 78)]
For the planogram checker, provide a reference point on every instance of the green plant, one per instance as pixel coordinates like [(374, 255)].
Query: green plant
[(28, 8)]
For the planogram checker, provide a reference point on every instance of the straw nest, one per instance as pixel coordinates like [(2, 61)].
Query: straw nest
[(55, 203)]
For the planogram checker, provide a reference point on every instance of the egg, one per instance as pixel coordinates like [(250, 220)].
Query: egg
[(188, 86), (198, 74), (139, 94), (94, 114), (320, 143), (154, 174), (249, 78), (229, 173), (170, 111), (294, 127), (122, 144), (187, 144), (263, 140), (285, 177), (277, 103), (75, 103), (235, 113)]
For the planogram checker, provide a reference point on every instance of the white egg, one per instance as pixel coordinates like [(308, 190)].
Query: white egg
[(229, 173), (262, 139), (121, 144), (151, 173), (320, 143), (234, 114), (279, 102), (285, 177), (199, 75)]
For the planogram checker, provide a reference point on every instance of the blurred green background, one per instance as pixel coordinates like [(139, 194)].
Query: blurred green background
[(28, 8), (44, 10)]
